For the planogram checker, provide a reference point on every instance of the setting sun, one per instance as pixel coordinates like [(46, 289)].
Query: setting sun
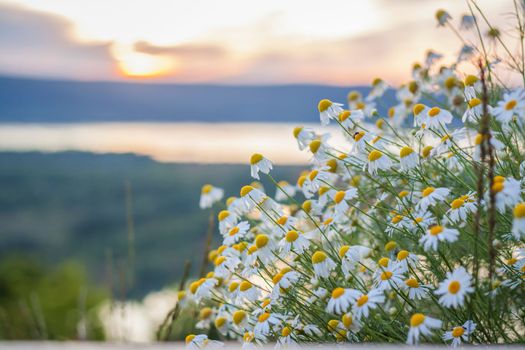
[(143, 65)]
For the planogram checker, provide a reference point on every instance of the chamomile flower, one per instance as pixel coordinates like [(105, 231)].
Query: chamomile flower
[(286, 339), (436, 118), (378, 161), (210, 195), (361, 138), (460, 208), (350, 323), (258, 163), (421, 325), (205, 286), (251, 196), (340, 199), (283, 280), (366, 302), (206, 315), (472, 87), (303, 136), (496, 144), (351, 256), (408, 158), (226, 221), (340, 301), (507, 192), (460, 333), (431, 196), (248, 292), (436, 234), (225, 265), (454, 289), (416, 291), (248, 341), (201, 341), (236, 233), (518, 224), (264, 324), (350, 119), (294, 240), (389, 277), (240, 319), (378, 89), (405, 259), (420, 111), (512, 105), (328, 110), (319, 151), (265, 246), (473, 111), (322, 264)]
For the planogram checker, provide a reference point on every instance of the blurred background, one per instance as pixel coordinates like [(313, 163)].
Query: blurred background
[(114, 113)]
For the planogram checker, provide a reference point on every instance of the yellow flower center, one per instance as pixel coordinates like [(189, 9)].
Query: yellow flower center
[(286, 332), (380, 123), (359, 135), (282, 220), (297, 131), (426, 151), (233, 287), (402, 255), (353, 95), (343, 250), (344, 116), (434, 111), (347, 320), (337, 293), (238, 316), (189, 338), (384, 261), (339, 196), (323, 190), (363, 299), (374, 155), (498, 187), (318, 257), (332, 325), (510, 105), (307, 205), (405, 151), (301, 180), (324, 105), (474, 102), (391, 112), (519, 210), (261, 240), (418, 108), (291, 236), (416, 320), (234, 231), (457, 203), (223, 215), (386, 275), (450, 82), (360, 105), (220, 321), (454, 287), (264, 317), (499, 178), (397, 219), (412, 283), (332, 164), (403, 194), (427, 191), (256, 158), (458, 332), (219, 260), (436, 230), (277, 278), (205, 313), (471, 80), (245, 285), (245, 190), (413, 87), (314, 145), (390, 246), (206, 189)]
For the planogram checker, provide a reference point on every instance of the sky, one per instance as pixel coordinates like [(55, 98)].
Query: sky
[(337, 42)]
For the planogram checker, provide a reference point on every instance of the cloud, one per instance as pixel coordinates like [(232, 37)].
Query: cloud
[(187, 50), (39, 44)]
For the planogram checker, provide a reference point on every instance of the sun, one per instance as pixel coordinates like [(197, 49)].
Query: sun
[(142, 65)]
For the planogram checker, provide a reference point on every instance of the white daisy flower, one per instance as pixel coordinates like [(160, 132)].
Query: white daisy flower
[(259, 163), (236, 233), (460, 333), (460, 208), (472, 87), (416, 291), (251, 196), (455, 288), (240, 319), (350, 119), (201, 341), (405, 259), (389, 277), (264, 324), (286, 339), (340, 301), (319, 151), (328, 110), (421, 324), (283, 280), (294, 240), (340, 199), (430, 196), (420, 111), (473, 111), (508, 192), (322, 264), (284, 224), (210, 195), (378, 89), (366, 302), (204, 288), (512, 105), (265, 247), (436, 234), (518, 224), (496, 144), (247, 292), (303, 136), (350, 323), (226, 221), (361, 138), (408, 158), (436, 118), (225, 266), (378, 161)]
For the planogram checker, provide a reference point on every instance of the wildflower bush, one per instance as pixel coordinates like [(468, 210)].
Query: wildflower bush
[(411, 232)]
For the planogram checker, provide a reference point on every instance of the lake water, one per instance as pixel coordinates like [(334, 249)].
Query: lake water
[(165, 142)]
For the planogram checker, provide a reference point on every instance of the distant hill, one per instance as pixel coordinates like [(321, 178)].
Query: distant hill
[(31, 100)]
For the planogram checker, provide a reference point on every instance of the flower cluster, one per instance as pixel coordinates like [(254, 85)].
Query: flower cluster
[(414, 234)]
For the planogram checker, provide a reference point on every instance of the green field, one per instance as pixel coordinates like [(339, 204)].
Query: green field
[(72, 207)]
